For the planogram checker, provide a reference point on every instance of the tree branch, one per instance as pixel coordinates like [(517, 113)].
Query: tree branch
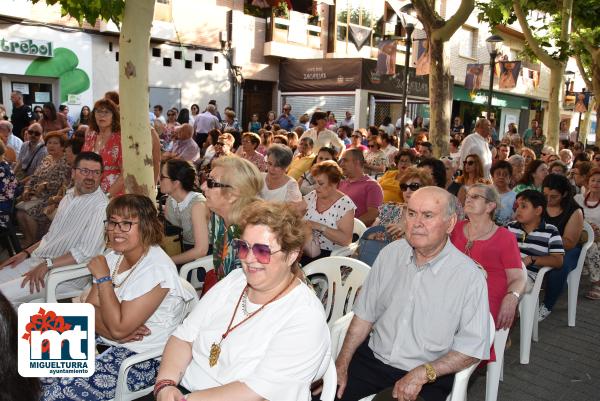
[(531, 41), (584, 75), (426, 13), (456, 21)]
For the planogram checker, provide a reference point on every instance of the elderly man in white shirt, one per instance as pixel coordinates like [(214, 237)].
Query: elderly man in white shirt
[(8, 138), (75, 236), (478, 143), (321, 136), (426, 305)]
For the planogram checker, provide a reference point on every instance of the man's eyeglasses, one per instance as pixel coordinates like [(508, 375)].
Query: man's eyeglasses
[(262, 252), (413, 187), (211, 183), (34, 132), (468, 162), (86, 172), (124, 226)]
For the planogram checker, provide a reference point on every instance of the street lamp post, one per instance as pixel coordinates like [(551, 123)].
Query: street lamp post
[(409, 28), (494, 45)]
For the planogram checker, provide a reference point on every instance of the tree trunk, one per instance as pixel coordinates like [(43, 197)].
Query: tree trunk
[(136, 140), (585, 122), (553, 128), (440, 99)]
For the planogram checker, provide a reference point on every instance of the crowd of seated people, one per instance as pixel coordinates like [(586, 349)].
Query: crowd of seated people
[(265, 203)]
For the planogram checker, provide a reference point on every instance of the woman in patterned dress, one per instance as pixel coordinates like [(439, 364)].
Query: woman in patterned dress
[(53, 173), (104, 138), (8, 185)]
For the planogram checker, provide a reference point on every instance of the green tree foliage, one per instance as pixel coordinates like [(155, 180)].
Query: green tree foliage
[(90, 10)]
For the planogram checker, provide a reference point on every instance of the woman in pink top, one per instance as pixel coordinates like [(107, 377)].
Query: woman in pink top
[(494, 249)]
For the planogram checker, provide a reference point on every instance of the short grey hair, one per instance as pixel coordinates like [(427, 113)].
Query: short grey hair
[(451, 200), (548, 150), (566, 151), (282, 154), (516, 159), (481, 121), (211, 108), (6, 125), (490, 194)]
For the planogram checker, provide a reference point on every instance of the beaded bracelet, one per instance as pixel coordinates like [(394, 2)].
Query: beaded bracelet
[(101, 280), (161, 384)]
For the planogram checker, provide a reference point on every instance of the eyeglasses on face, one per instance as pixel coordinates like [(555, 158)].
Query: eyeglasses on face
[(468, 162), (476, 197), (102, 112), (412, 186), (34, 132), (262, 252), (86, 172), (211, 183), (124, 226)]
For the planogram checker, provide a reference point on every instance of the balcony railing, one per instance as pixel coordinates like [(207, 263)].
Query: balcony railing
[(278, 30)]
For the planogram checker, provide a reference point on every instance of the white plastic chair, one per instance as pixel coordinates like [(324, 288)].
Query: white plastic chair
[(122, 392), (61, 274), (461, 379), (205, 262), (528, 308), (575, 275), (494, 369), (329, 382), (359, 229), (341, 293)]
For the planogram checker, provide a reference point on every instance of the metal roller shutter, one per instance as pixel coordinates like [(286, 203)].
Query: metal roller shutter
[(338, 104)]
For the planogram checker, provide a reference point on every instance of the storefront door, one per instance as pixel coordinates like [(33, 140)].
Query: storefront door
[(36, 90)]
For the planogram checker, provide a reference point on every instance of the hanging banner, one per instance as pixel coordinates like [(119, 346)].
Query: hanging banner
[(359, 36), (531, 79), (509, 75), (386, 57), (421, 51), (582, 103), (473, 76)]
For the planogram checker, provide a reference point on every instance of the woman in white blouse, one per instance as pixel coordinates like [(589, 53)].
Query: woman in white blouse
[(260, 333), (329, 212), (279, 186), (138, 298)]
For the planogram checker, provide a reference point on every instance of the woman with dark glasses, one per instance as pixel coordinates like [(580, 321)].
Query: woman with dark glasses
[(227, 195), (472, 173), (138, 297), (260, 333)]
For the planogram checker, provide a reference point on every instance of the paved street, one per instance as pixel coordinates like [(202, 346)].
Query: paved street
[(564, 365)]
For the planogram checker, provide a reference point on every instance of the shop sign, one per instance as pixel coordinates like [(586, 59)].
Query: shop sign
[(27, 47), (319, 75)]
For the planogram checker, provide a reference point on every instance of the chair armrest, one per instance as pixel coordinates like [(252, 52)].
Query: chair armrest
[(61, 274), (127, 364), (205, 262), (347, 251)]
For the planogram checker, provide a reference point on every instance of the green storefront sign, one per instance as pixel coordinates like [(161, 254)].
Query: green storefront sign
[(498, 99), (27, 47)]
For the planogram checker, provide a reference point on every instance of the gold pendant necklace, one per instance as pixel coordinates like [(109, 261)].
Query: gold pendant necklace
[(215, 349)]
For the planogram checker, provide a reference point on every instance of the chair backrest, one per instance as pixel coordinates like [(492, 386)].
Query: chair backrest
[(189, 305), (339, 328), (205, 262), (358, 229), (584, 248), (329, 382), (344, 277)]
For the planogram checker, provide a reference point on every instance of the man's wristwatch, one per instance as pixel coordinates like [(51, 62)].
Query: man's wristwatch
[(49, 263), (430, 372)]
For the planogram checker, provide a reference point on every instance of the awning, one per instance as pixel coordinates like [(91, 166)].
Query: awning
[(498, 99)]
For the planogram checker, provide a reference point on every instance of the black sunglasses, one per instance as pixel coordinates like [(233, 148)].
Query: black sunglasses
[(262, 252), (468, 162), (210, 183), (413, 187), (34, 132)]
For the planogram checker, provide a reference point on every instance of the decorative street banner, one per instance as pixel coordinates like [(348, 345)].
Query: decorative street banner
[(421, 52), (473, 77), (531, 78), (582, 103), (509, 75), (386, 57), (359, 35), (297, 32)]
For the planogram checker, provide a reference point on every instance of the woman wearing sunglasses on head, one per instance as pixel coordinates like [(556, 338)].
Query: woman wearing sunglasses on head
[(138, 298), (227, 195), (260, 334)]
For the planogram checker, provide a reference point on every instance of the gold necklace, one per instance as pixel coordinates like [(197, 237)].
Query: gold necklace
[(215, 349), (470, 241), (114, 273)]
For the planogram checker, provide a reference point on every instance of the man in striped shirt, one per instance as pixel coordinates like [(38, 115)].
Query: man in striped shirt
[(75, 236), (540, 243)]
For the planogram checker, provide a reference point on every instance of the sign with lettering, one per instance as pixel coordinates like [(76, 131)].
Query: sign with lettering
[(26, 47)]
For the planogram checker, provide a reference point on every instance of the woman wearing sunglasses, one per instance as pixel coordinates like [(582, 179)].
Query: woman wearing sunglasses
[(138, 297), (258, 334), (227, 195), (472, 174), (494, 249)]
